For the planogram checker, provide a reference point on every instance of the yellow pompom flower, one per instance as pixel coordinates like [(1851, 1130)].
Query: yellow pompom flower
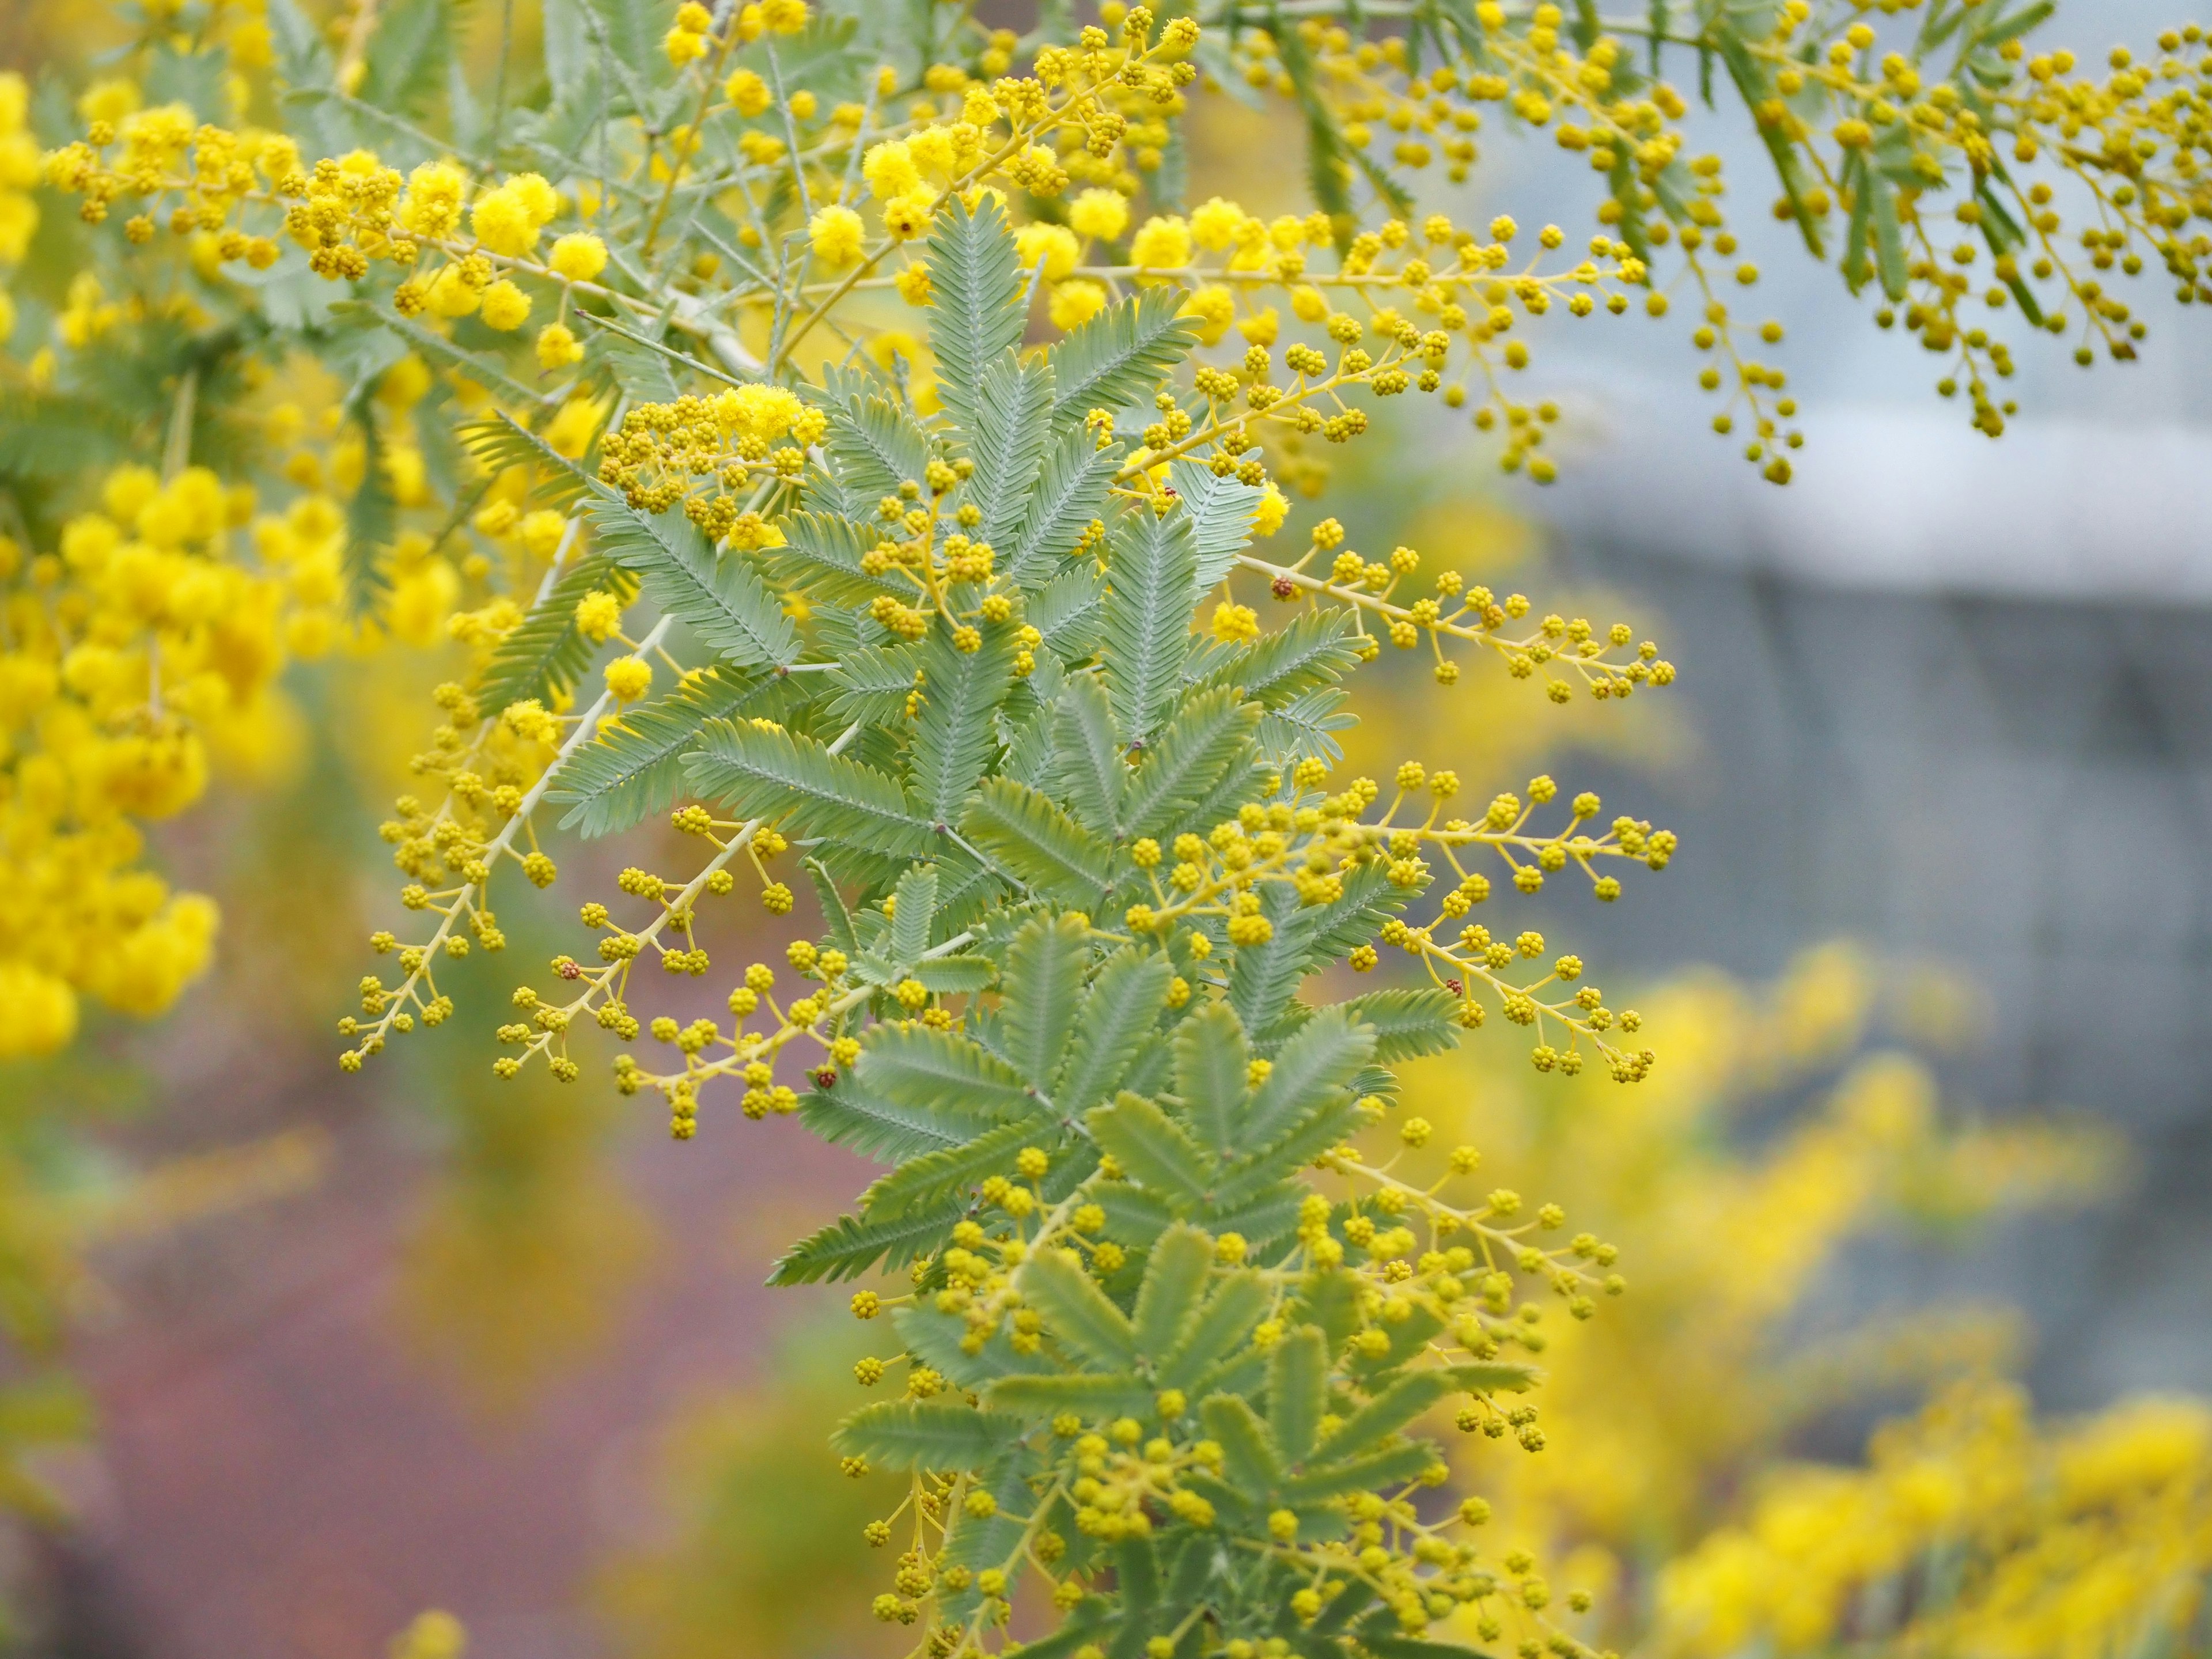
[(891, 171), (1054, 244), (1100, 215), (1074, 303), (1161, 243), (557, 347), (1274, 507), (542, 532), (748, 93), (38, 1011), (579, 256), (504, 306), (598, 613), (629, 679), (1211, 307), (783, 16), (837, 235), (1215, 225), (908, 216)]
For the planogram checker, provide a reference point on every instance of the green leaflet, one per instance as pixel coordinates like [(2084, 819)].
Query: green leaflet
[(545, 654), (873, 682), (719, 599), (1072, 490), (1209, 734), (941, 1071), (850, 1245), (1070, 610), (1308, 1069), (1077, 1314), (875, 447), (1037, 843), (1212, 1062), (776, 775), (1408, 1022), (1152, 1147), (1119, 356), (929, 1179), (917, 909), (954, 739), (1088, 768), (1221, 510), (1045, 965), (1298, 1391), (1123, 1004), (846, 1114), (821, 555), (1168, 1298), (1314, 650), (1488, 1376), (1387, 1466), (1249, 1453), (1239, 1302), (1152, 577), (636, 769), (1389, 1412), (976, 315), (924, 1434), (1089, 1396), (1007, 438)]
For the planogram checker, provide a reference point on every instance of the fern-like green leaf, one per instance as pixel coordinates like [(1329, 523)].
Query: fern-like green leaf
[(925, 1434), (1174, 1283), (1152, 577), (1119, 356), (1408, 1022), (1211, 1063), (932, 1071), (1122, 1005), (1088, 768), (915, 910), (544, 655), (1078, 1315), (1298, 1391), (850, 1245), (1044, 987), (955, 736), (1152, 1147), (1221, 511), (719, 599), (1045, 849), (1007, 438), (1317, 1062), (782, 777), (936, 1175), (821, 555), (1210, 733), (1070, 610), (636, 769), (498, 443), (846, 1114), (975, 288), (1073, 487), (1239, 1302), (1088, 1395)]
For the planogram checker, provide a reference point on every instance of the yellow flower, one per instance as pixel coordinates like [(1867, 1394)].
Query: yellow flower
[(432, 206), (542, 532), (783, 16), (38, 1011), (909, 216), (1232, 623), (557, 348), (1211, 307), (1100, 215), (748, 92), (890, 170), (1054, 244), (579, 256), (505, 306), (1074, 303), (836, 234), (1215, 225), (629, 679), (1161, 243), (1274, 507), (912, 284)]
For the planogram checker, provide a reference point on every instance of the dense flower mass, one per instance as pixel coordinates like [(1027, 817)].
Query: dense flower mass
[(852, 435)]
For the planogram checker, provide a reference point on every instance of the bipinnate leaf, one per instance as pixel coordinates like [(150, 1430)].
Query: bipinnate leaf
[(925, 1434)]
